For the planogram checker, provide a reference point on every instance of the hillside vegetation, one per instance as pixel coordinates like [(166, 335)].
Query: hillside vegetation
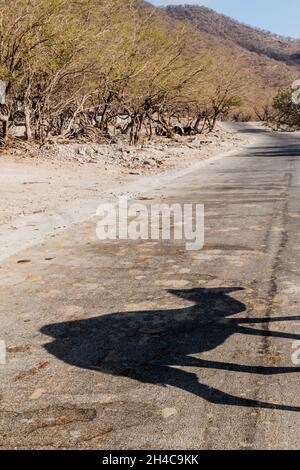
[(272, 61), (252, 39), (84, 69)]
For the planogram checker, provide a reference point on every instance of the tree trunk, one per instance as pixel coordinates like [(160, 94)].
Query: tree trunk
[(4, 115), (28, 131), (4, 130), (197, 123)]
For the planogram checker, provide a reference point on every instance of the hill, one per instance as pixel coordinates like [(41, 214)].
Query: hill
[(252, 39)]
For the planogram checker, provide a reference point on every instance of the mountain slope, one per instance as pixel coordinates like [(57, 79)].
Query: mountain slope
[(264, 62), (252, 39)]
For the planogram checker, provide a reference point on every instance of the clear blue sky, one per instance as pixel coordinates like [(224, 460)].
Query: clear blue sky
[(278, 16)]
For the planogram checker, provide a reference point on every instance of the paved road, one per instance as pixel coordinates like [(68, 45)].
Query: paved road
[(144, 345)]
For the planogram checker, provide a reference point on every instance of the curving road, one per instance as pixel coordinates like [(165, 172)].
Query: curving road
[(144, 345)]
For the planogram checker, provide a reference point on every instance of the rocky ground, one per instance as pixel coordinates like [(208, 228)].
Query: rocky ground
[(156, 153), (35, 179)]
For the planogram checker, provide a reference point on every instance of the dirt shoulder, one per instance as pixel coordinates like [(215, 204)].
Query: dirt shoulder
[(36, 179), (44, 191)]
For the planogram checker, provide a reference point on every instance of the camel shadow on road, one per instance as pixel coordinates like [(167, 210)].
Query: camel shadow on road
[(156, 346)]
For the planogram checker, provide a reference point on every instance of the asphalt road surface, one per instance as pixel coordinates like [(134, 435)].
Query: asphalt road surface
[(145, 345)]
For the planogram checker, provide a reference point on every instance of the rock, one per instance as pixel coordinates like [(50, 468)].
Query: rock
[(107, 136), (46, 147), (37, 394), (115, 141), (89, 152), (19, 349), (150, 162), (168, 412), (81, 152), (75, 434)]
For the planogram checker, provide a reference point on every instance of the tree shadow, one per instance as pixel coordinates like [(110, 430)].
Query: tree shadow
[(290, 150), (254, 130), (151, 346)]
